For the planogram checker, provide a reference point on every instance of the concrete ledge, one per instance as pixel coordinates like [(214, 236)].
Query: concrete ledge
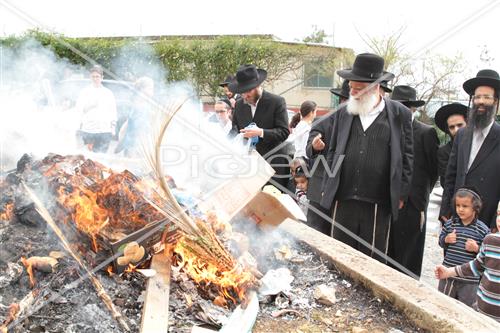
[(425, 306)]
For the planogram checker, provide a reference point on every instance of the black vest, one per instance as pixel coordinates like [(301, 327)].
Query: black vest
[(366, 168)]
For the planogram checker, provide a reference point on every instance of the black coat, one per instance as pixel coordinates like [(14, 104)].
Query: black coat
[(270, 115), (483, 173), (317, 163), (401, 164), (425, 170), (443, 155)]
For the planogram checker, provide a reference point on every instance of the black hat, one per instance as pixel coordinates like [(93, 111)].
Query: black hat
[(343, 91), (227, 81), (407, 96), (367, 67), (485, 77), (385, 86), (444, 112), (247, 78)]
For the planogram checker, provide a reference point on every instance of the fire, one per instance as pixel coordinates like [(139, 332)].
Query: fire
[(231, 284), (29, 270), (7, 212), (88, 216)]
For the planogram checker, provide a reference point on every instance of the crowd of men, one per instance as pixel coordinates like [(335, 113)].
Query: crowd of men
[(382, 164)]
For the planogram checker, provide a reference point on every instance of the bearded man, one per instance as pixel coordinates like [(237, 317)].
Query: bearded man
[(268, 115), (370, 158), (475, 155)]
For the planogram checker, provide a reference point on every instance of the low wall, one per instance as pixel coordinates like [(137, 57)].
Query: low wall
[(425, 306)]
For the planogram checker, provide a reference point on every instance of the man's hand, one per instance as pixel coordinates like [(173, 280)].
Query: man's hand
[(317, 143), (233, 102), (442, 272), (252, 132), (401, 203), (444, 218), (451, 238), (471, 245)]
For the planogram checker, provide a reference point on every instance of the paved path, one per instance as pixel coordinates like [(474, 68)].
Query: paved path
[(433, 254)]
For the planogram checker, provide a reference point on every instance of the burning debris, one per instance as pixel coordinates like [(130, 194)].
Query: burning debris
[(95, 213)]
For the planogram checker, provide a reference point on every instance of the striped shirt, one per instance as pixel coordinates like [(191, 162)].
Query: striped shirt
[(456, 254), (487, 264)]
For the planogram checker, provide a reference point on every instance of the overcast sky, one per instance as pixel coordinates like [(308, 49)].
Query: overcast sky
[(445, 27)]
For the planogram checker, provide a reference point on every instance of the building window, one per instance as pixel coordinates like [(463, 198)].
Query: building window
[(317, 75)]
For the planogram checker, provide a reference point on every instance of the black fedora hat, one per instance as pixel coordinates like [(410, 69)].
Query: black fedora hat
[(367, 67), (485, 77), (343, 91), (444, 112), (227, 81), (407, 96), (385, 86), (247, 78)]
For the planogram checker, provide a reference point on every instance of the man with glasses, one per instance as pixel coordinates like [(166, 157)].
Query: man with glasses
[(475, 156), (449, 119), (223, 115)]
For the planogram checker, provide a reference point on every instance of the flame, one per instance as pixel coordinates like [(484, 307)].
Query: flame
[(7, 213), (231, 284), (29, 270), (131, 268), (109, 269)]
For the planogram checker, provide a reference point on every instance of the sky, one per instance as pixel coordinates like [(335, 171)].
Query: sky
[(444, 27)]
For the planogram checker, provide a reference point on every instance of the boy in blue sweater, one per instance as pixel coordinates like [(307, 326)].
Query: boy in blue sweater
[(461, 238)]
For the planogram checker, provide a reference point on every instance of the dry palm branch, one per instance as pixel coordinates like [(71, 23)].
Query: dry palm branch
[(198, 237)]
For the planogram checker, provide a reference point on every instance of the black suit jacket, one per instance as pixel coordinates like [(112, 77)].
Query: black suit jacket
[(401, 141), (483, 173), (270, 115), (443, 155), (317, 160), (425, 170)]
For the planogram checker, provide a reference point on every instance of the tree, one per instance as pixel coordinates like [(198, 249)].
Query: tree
[(317, 36), (435, 77)]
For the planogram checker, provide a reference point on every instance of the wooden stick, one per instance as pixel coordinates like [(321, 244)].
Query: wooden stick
[(95, 280)]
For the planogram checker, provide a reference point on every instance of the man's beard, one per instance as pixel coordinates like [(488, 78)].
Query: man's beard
[(480, 120), (254, 98), (364, 105)]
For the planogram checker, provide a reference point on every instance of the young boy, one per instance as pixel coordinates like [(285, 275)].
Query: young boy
[(300, 179), (461, 238), (487, 265)]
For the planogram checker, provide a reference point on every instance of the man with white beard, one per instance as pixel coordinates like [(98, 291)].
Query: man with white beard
[(370, 158), (475, 155)]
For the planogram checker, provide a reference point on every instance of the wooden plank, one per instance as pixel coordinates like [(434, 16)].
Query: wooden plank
[(155, 311), (422, 304)]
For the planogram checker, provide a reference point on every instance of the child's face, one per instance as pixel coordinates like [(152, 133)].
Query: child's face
[(301, 183), (464, 208)]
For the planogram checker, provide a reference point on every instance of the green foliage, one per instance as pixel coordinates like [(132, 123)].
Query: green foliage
[(203, 62)]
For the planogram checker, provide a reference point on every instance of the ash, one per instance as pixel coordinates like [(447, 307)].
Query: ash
[(295, 309), (62, 309)]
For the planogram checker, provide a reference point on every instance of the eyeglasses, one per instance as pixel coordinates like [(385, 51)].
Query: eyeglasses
[(487, 98), (451, 127), (220, 111)]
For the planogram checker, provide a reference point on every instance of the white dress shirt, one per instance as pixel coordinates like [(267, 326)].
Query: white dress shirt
[(301, 134), (368, 119), (478, 137)]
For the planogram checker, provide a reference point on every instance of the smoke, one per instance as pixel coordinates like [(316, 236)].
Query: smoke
[(29, 121), (38, 117)]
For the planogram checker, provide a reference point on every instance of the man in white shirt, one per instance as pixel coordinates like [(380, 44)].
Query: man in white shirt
[(97, 107), (475, 156)]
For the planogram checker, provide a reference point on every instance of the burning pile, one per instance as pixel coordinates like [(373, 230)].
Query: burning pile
[(106, 207)]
